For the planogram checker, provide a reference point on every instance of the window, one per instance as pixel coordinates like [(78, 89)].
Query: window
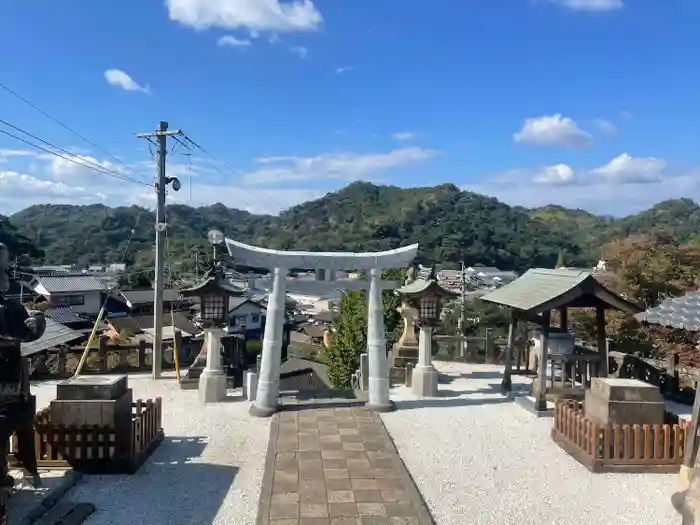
[(241, 320), (68, 300), (213, 307), (255, 318)]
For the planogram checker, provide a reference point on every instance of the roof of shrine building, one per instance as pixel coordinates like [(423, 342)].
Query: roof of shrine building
[(541, 290), (678, 312)]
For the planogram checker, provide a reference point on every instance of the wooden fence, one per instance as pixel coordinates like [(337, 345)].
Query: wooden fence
[(95, 449), (618, 448)]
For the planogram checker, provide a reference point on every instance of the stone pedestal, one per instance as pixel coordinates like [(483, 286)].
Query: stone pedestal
[(94, 400), (615, 401), (212, 382), (424, 380), (405, 350)]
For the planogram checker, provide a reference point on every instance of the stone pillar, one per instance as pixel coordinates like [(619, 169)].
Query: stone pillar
[(376, 345), (425, 378), (266, 399), (212, 382)]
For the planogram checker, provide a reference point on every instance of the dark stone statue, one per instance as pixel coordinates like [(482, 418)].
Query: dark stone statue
[(17, 405)]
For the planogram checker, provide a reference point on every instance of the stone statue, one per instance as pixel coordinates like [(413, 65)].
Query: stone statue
[(17, 405)]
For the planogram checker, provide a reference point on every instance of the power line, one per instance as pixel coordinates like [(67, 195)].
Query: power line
[(68, 128), (83, 162), (234, 172)]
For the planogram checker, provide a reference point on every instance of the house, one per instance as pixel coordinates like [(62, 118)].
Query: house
[(84, 294), (244, 312), (143, 324), (325, 317), (55, 335), (67, 317), (56, 269), (140, 302), (309, 334)]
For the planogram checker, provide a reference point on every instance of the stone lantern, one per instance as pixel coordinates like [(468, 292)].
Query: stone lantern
[(213, 294), (426, 296)]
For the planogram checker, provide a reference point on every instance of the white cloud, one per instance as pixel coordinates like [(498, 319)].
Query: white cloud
[(626, 115), (591, 5), (118, 78), (255, 15), (626, 168), (300, 51), (404, 135), (343, 69), (606, 127), (553, 130), (337, 166), (232, 41), (556, 174), (622, 186)]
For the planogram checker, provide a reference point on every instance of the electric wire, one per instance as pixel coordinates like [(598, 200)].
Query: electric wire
[(68, 128), (231, 170), (86, 164)]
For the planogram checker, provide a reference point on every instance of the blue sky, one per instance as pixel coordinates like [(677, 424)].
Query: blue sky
[(585, 103)]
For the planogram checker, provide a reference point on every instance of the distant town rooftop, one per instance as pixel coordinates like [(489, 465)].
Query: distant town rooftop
[(69, 283)]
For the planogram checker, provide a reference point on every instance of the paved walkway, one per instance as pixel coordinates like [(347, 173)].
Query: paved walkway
[(333, 463)]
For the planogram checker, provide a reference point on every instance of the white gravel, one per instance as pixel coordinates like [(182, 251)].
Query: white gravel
[(207, 471), (480, 459)]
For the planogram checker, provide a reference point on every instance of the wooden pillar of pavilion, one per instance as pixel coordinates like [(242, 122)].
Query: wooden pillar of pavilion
[(506, 383), (601, 339), (541, 400)]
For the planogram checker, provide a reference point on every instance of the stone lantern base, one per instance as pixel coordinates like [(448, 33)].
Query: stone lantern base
[(212, 386), (424, 381)]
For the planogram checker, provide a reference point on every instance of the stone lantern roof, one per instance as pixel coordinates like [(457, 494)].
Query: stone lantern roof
[(424, 286)]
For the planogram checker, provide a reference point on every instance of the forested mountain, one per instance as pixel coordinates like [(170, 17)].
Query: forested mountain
[(448, 223)]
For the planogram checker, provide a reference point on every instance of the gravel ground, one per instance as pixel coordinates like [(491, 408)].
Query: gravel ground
[(480, 459), (207, 471)]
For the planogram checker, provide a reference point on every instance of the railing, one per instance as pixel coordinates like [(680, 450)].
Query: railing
[(96, 449), (573, 371), (484, 349), (618, 448)]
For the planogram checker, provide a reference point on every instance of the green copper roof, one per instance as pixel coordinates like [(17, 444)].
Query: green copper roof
[(542, 289)]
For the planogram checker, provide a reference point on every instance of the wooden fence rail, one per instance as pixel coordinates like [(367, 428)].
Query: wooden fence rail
[(618, 448), (96, 449)]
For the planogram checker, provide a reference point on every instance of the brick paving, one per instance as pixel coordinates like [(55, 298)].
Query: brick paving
[(335, 464)]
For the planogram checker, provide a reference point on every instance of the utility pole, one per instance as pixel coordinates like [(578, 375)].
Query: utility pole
[(462, 322), (161, 135)]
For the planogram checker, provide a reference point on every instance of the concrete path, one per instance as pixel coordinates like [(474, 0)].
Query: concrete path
[(333, 463)]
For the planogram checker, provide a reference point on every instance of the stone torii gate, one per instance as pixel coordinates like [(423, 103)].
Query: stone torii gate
[(280, 262)]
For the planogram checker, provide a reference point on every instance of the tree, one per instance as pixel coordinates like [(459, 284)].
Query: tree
[(348, 339), (349, 329), (646, 270)]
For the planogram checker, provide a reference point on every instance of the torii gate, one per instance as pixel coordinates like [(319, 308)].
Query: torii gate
[(279, 262)]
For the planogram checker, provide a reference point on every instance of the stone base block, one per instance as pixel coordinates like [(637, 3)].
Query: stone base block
[(250, 386), (91, 388), (613, 401), (424, 381), (212, 386), (114, 413)]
